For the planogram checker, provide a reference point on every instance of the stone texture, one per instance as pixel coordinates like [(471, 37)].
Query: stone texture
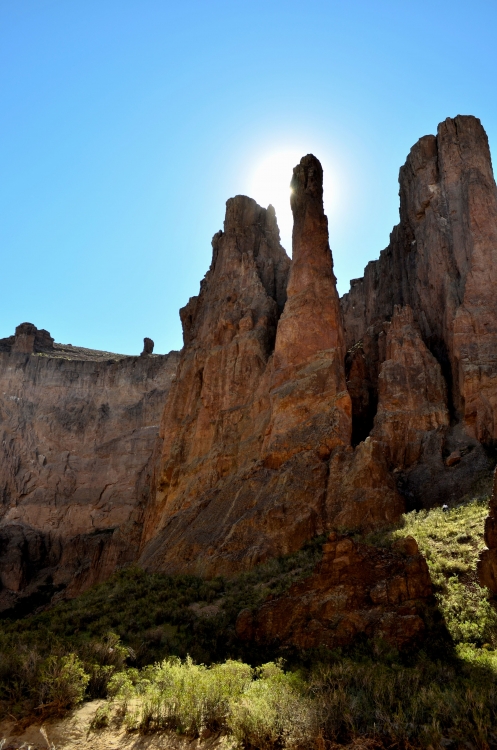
[(361, 493), (355, 589), (310, 404), (442, 261), (412, 394), (209, 486), (256, 455), (75, 440), (148, 347)]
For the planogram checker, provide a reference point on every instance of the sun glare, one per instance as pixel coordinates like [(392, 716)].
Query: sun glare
[(270, 183)]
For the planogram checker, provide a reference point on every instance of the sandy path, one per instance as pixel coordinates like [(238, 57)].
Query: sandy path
[(72, 733)]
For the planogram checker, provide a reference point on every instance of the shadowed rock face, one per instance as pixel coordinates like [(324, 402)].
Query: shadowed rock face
[(442, 262), (412, 394), (310, 404), (76, 436), (256, 455), (287, 414), (241, 478), (356, 589)]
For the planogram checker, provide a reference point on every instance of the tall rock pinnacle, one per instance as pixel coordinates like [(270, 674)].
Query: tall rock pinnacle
[(311, 408)]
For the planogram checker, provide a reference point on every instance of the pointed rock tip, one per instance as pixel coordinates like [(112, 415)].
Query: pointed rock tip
[(308, 177)]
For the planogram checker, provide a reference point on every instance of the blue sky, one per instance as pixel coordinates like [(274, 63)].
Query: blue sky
[(125, 125)]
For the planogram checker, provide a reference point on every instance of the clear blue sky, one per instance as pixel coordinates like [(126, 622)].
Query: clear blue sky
[(125, 125)]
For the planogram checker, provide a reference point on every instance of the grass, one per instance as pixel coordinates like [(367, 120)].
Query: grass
[(164, 652), (451, 542)]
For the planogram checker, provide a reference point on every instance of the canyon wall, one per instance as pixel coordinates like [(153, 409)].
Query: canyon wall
[(288, 413), (260, 407), (77, 430), (442, 261)]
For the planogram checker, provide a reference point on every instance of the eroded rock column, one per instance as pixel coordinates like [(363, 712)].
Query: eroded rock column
[(310, 404)]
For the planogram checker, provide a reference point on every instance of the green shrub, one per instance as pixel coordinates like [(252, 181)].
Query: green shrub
[(274, 711), (185, 696), (445, 696), (451, 542), (62, 682)]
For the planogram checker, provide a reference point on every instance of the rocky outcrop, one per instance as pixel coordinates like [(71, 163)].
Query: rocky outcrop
[(310, 404), (355, 589), (28, 339), (260, 409), (412, 395), (148, 347), (442, 261), (76, 436), (290, 414)]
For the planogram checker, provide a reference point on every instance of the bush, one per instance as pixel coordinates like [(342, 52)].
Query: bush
[(62, 682), (185, 696), (274, 711)]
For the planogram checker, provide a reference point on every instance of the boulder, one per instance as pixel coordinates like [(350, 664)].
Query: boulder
[(355, 590)]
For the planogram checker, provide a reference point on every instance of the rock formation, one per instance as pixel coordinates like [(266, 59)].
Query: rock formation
[(28, 340), (434, 264), (355, 589), (412, 394), (148, 347), (442, 261), (259, 410), (76, 435), (288, 413), (310, 404)]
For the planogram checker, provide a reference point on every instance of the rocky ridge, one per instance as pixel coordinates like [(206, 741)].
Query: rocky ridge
[(257, 427), (288, 413), (77, 429)]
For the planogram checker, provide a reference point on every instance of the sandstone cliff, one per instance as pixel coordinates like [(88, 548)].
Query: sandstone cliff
[(287, 414), (442, 261), (260, 407), (77, 429)]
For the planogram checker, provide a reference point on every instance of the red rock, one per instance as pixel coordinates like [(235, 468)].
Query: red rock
[(310, 404), (442, 261), (454, 458), (356, 590), (77, 429), (361, 493), (412, 395)]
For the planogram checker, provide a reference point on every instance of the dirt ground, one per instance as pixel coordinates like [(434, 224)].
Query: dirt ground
[(73, 733)]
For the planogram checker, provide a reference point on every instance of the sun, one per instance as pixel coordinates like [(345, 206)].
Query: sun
[(270, 184)]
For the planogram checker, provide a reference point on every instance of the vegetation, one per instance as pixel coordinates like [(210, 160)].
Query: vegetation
[(451, 541), (129, 640), (135, 619)]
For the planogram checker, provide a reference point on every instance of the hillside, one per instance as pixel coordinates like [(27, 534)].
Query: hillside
[(100, 644)]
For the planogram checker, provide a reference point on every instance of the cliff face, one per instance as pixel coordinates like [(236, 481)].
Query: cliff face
[(442, 262), (287, 414), (260, 407), (77, 429)]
